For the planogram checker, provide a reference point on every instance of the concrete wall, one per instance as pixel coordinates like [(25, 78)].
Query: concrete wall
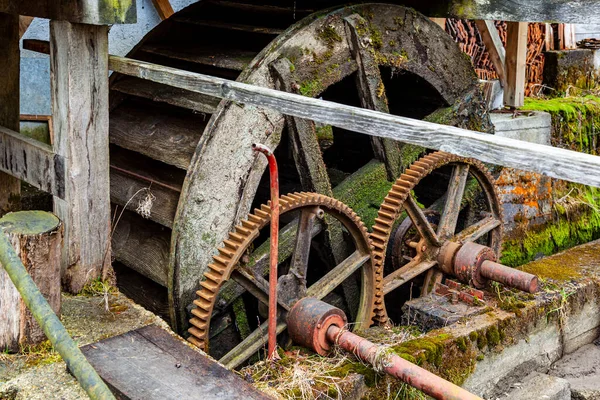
[(35, 67)]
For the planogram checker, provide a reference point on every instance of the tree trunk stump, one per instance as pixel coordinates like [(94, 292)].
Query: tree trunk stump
[(37, 238)]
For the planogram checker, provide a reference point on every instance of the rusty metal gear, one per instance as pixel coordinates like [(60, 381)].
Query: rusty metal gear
[(399, 199), (226, 265)]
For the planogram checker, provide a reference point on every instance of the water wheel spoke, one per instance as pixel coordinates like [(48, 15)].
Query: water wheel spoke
[(371, 90), (456, 190), (420, 221), (477, 230), (249, 346), (336, 276), (405, 274)]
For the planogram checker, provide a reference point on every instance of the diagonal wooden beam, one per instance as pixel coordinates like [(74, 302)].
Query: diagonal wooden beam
[(24, 22), (164, 8), (494, 46)]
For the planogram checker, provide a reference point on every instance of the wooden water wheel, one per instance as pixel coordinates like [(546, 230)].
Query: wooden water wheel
[(189, 155)]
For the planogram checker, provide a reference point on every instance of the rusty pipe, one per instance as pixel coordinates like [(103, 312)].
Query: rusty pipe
[(319, 326), (509, 276), (273, 256), (398, 367)]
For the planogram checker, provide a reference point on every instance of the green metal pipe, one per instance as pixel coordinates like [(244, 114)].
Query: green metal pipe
[(89, 380)]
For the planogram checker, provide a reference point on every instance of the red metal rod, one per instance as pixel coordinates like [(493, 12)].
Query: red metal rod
[(274, 175), (398, 367), (509, 276)]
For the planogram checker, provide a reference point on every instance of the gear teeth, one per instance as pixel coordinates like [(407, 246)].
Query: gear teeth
[(393, 204), (237, 243)]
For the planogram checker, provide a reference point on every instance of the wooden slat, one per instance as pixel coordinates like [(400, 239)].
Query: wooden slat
[(230, 26), (32, 161), (132, 181), (166, 94), (494, 46), (231, 59), (557, 163), (79, 84), (160, 134), (151, 363), (142, 246), (163, 8), (94, 12), (10, 187), (516, 63)]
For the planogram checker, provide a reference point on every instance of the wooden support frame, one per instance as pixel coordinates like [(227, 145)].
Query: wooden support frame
[(10, 192), (551, 161), (79, 84), (494, 46), (516, 64), (95, 12)]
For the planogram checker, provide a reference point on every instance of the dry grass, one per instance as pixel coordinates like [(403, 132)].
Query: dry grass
[(307, 376), (298, 375)]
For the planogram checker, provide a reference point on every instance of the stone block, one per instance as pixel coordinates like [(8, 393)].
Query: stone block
[(538, 386), (573, 70), (582, 370)]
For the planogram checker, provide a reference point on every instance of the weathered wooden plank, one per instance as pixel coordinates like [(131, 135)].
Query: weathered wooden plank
[(163, 8), (95, 12), (32, 161), (142, 246), (10, 192), (574, 11), (150, 363), (494, 46), (557, 163), (79, 84), (166, 94), (371, 89), (36, 237), (165, 135), (130, 186), (516, 60)]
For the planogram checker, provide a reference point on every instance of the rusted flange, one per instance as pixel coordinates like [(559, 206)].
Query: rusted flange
[(468, 260), (309, 320)]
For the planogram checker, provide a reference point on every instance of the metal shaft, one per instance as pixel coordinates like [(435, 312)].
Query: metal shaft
[(273, 256), (51, 325), (509, 276), (398, 367)]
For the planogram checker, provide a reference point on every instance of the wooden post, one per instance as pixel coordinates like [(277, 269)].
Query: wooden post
[(10, 187), (79, 83), (163, 8), (440, 21), (516, 58), (37, 239), (24, 22)]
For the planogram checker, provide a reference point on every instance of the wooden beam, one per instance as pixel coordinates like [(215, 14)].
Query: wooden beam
[(79, 84), (24, 22), (163, 8), (494, 46), (569, 40), (555, 162), (95, 12), (548, 37), (10, 187), (441, 22), (32, 161), (572, 11), (516, 64)]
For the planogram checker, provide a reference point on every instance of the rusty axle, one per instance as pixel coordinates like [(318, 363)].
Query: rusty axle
[(319, 326)]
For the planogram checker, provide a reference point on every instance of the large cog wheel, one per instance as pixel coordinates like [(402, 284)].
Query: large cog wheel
[(236, 266), (430, 237)]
